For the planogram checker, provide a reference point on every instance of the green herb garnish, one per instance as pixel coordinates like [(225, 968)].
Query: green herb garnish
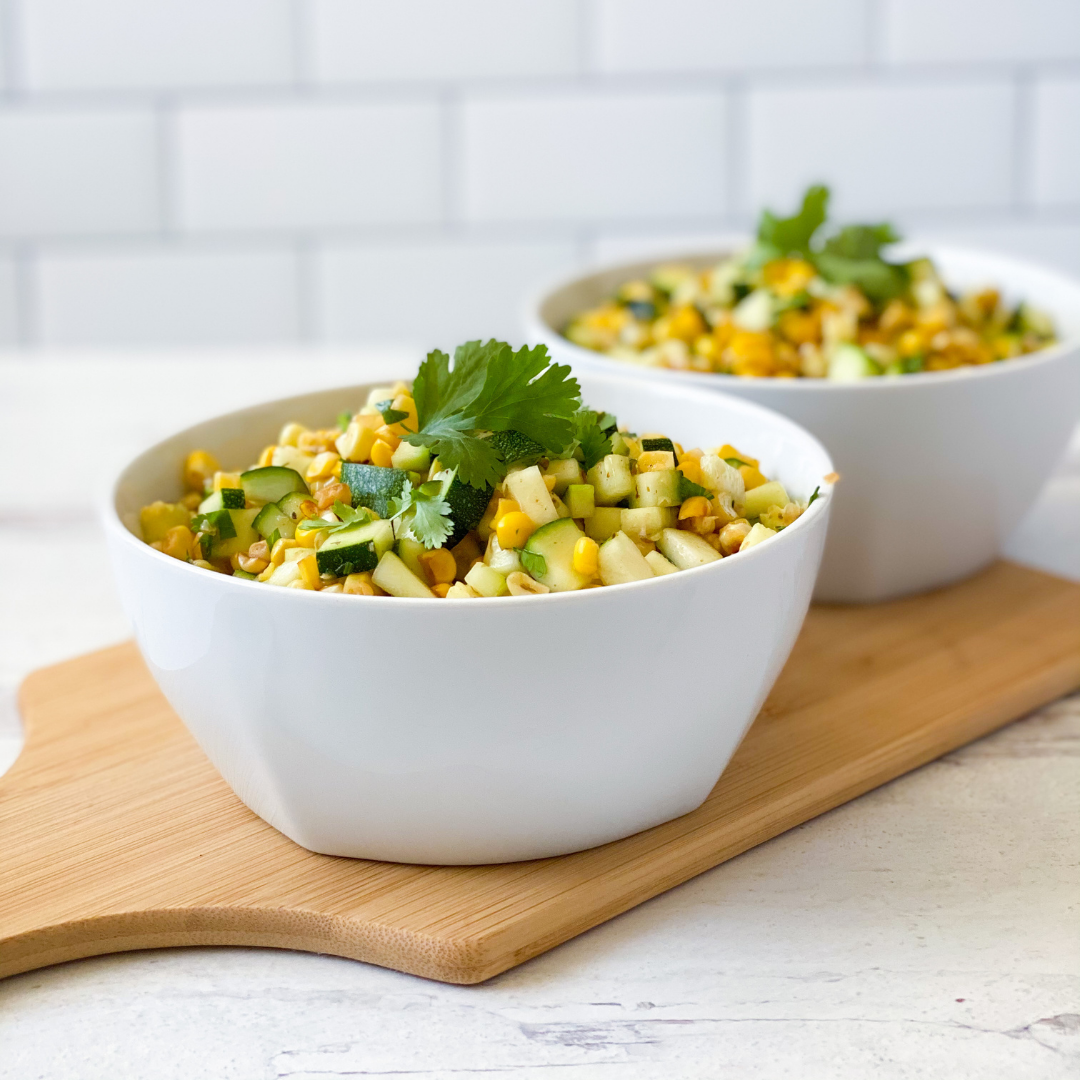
[(593, 439), (736, 463), (534, 562), (851, 256), (428, 519), (816, 495), (491, 388)]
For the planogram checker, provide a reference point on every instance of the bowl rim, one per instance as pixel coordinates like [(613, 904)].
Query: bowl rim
[(537, 328), (115, 527)]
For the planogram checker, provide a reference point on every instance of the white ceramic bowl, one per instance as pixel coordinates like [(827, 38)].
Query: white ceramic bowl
[(473, 731), (937, 468)]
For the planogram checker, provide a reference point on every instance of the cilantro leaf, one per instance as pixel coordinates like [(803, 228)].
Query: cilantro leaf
[(593, 441), (344, 419), (777, 237), (853, 257), (491, 388), (424, 513), (534, 562), (688, 489), (735, 462), (816, 495), (392, 416)]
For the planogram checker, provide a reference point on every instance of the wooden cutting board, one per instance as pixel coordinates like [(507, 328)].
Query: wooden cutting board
[(116, 833)]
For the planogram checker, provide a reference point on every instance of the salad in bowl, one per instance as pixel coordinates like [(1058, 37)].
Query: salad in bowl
[(466, 650), (427, 492)]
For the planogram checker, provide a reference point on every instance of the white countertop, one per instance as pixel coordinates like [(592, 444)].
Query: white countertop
[(928, 929)]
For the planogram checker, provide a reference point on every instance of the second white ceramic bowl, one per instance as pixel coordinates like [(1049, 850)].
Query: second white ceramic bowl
[(472, 731), (937, 468)]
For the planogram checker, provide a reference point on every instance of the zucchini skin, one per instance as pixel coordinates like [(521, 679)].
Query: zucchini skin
[(354, 559), (514, 447), (659, 444), (467, 506), (373, 486), (270, 483)]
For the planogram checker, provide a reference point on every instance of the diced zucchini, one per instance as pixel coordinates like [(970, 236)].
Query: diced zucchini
[(291, 504), (659, 565), (373, 486), (528, 488), (611, 480), (620, 561), (515, 447), (272, 483), (485, 581), (722, 478), (657, 444), (158, 518), (223, 499), (759, 499), (289, 457), (467, 506), (409, 552), (580, 501), (555, 543), (394, 577), (619, 445), (754, 537), (566, 471), (850, 363), (270, 519), (605, 522), (411, 458), (647, 522), (355, 549), (505, 560), (686, 549), (244, 534), (659, 488), (244, 575)]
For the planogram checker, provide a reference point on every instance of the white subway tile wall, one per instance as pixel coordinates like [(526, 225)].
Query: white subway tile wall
[(166, 294), (593, 157), (339, 171)]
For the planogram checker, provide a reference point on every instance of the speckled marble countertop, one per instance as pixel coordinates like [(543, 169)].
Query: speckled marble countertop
[(928, 929)]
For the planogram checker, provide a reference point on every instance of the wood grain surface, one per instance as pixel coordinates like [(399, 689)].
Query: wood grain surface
[(116, 833)]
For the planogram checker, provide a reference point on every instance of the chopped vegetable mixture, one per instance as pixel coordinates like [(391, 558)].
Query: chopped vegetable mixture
[(792, 306), (489, 478)]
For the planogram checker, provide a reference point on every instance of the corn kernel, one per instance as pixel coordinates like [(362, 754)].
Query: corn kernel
[(277, 556), (690, 467), (404, 403), (322, 467), (550, 482), (199, 468), (359, 585), (504, 507), (388, 436), (177, 542), (159, 517), (694, 507), (732, 536), (309, 572), (226, 480), (655, 461), (587, 556), (356, 443), (752, 477), (727, 450), (440, 566), (514, 529), (290, 434), (266, 457), (306, 537), (441, 589), (382, 454)]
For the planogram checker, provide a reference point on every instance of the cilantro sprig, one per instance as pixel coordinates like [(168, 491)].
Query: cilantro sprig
[(491, 388), (852, 255), (423, 511), (347, 515)]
